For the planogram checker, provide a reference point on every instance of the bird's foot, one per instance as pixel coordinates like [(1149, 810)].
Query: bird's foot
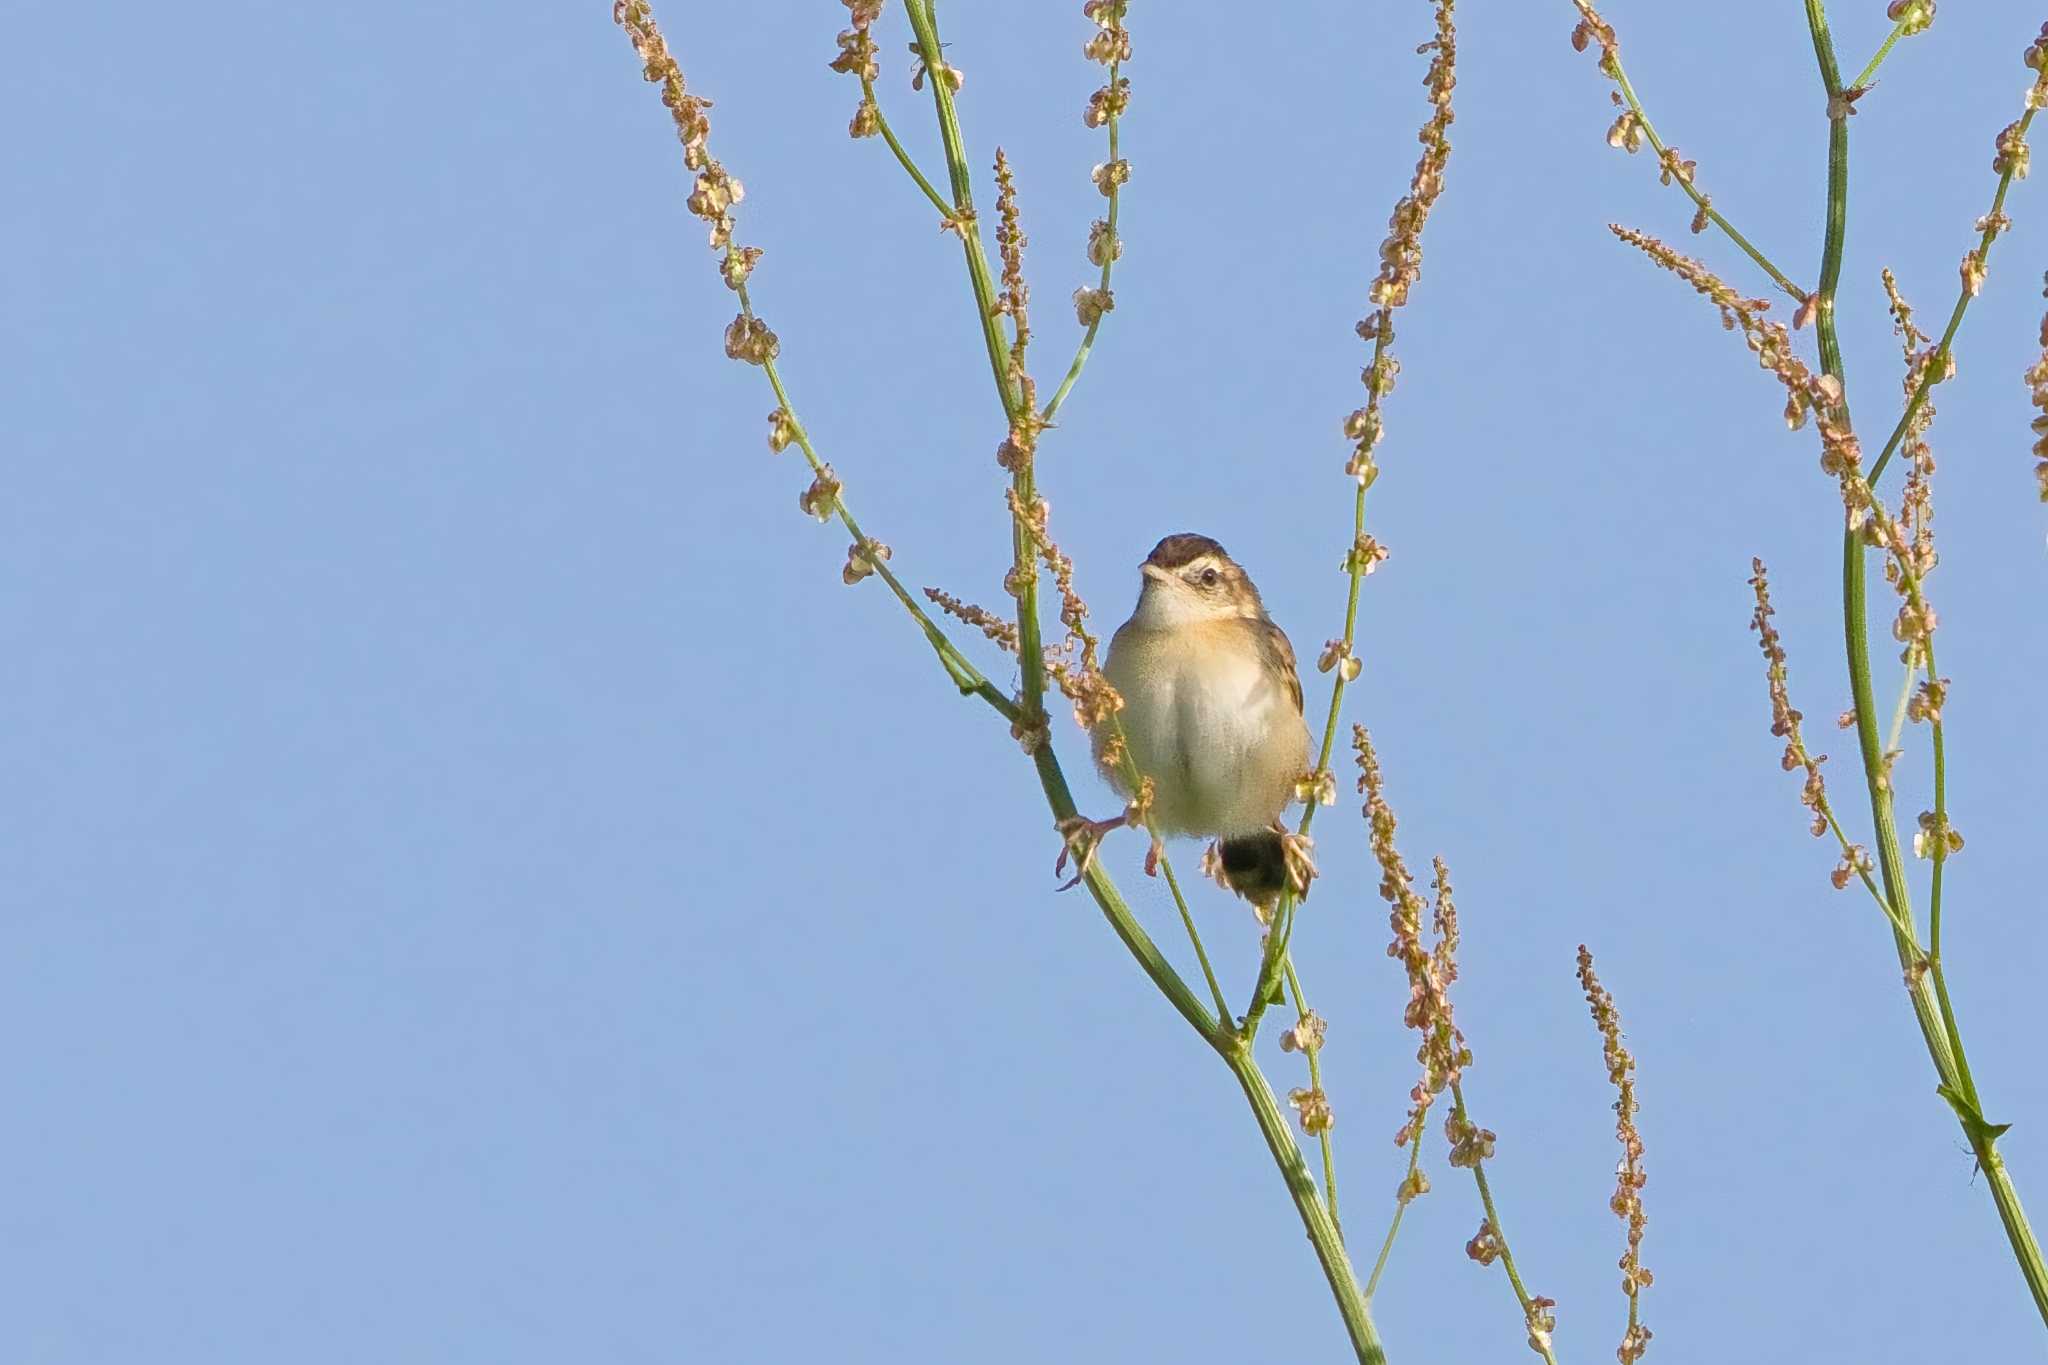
[(1079, 838), (1153, 855), (1295, 851)]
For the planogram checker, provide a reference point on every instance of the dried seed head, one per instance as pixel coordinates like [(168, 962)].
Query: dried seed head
[(1313, 1107), (861, 559), (1627, 1201), (748, 338), (1912, 15), (1485, 1246), (1306, 1035), (856, 54), (1972, 273), (1430, 968), (822, 497), (1671, 167), (1470, 1144), (1107, 103), (737, 264), (1103, 245), (1936, 838), (781, 429), (1318, 788), (1071, 665), (1784, 717), (1091, 304), (1111, 176), (1626, 133), (1855, 862), (996, 628), (2037, 390)]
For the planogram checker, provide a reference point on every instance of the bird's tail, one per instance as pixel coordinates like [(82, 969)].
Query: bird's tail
[(1255, 865)]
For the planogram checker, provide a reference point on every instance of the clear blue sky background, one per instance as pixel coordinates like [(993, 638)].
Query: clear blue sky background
[(477, 887)]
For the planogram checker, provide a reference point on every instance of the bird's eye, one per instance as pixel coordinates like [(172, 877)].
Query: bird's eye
[(1210, 578)]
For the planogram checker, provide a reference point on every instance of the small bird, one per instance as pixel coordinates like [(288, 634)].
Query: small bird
[(1212, 714)]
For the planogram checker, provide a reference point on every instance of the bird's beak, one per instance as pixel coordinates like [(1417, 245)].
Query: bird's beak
[(1153, 571)]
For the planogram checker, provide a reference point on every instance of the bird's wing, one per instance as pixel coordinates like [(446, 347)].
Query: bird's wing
[(1279, 657)]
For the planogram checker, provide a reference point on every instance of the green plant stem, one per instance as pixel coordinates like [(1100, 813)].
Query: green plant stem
[(1937, 367), (946, 210), (980, 277), (1088, 337), (1372, 1283), (1301, 1187), (1862, 81), (1201, 955), (1933, 1020), (1891, 743), (1030, 640), (1217, 1032), (1507, 1256), (1283, 915), (1315, 1080), (965, 675), (1940, 853), (1628, 93)]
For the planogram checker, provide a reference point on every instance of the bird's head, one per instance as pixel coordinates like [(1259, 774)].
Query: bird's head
[(1188, 579)]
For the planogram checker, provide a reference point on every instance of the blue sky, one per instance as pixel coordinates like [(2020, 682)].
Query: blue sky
[(478, 888)]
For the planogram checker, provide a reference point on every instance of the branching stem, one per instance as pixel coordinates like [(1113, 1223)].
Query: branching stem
[(1930, 1005)]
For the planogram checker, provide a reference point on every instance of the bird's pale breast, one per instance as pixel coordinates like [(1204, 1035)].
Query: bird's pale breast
[(1210, 722)]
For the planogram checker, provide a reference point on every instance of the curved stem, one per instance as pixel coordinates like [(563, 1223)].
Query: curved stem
[(1315, 1219)]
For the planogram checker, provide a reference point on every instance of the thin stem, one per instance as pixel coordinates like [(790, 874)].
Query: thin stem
[(1862, 81), (1936, 1024), (1188, 919), (1937, 367), (1030, 640), (1507, 1256), (965, 675), (1713, 215), (1108, 260), (1315, 1219), (1372, 1283), (962, 216), (1940, 854), (1276, 943), (1278, 936), (1060, 797), (1891, 744), (867, 90), (1315, 1080)]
